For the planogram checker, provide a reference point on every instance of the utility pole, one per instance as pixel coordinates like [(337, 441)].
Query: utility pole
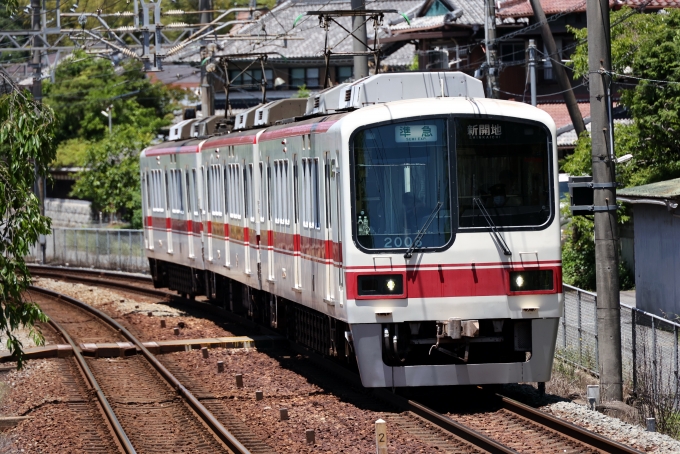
[(37, 96), (491, 52), (562, 78), (532, 70), (604, 198), (359, 41), (207, 92)]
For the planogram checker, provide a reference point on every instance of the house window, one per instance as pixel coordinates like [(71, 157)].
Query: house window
[(251, 78), (304, 76), (512, 52), (343, 73)]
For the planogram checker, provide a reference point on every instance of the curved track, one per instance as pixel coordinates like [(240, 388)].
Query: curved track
[(512, 428), (156, 412)]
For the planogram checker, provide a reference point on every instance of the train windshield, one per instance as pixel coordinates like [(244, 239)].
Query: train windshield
[(401, 173), (504, 170)]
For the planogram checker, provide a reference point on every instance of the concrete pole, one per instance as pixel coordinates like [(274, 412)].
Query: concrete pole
[(532, 70), (207, 92), (491, 52), (606, 231), (37, 96), (560, 72), (360, 61)]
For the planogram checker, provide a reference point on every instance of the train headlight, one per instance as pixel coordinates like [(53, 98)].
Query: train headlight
[(532, 281), (380, 284)]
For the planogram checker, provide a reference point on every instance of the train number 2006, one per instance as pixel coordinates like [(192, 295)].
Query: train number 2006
[(397, 242)]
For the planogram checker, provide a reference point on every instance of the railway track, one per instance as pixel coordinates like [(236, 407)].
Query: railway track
[(147, 407), (509, 427)]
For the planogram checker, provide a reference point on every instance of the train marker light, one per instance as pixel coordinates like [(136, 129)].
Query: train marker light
[(519, 281), (391, 285)]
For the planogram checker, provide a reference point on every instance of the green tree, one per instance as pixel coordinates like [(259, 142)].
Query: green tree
[(111, 180), (26, 146), (647, 73), (85, 86)]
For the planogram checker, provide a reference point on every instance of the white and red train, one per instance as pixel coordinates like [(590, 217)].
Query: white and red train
[(402, 221)]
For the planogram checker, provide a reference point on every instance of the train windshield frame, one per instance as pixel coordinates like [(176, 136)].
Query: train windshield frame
[(401, 171), (483, 170), (504, 172)]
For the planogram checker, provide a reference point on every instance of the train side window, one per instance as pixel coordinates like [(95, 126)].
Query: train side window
[(225, 186), (215, 190), (286, 185), (276, 193), (296, 197), (263, 193), (315, 194), (190, 204), (305, 191), (269, 191), (250, 193), (194, 192), (176, 191), (166, 186)]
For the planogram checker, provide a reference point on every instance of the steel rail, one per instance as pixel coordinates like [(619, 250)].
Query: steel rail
[(566, 428), (461, 431), (222, 433), (108, 411)]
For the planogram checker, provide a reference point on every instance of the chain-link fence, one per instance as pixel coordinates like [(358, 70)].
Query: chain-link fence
[(649, 345), (108, 249)]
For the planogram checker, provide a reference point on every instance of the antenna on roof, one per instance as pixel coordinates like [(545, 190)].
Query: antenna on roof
[(328, 17)]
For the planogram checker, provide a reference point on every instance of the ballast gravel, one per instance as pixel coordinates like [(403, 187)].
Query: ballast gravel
[(613, 428)]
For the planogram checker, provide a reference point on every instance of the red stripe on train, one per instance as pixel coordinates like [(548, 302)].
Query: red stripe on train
[(441, 283)]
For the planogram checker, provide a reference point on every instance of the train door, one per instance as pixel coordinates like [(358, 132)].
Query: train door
[(168, 215), (189, 213), (227, 214), (193, 216), (330, 239), (210, 194), (249, 218), (261, 213), (271, 273), (146, 213), (297, 260), (338, 224)]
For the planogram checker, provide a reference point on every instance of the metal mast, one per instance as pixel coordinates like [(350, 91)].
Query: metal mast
[(358, 40)]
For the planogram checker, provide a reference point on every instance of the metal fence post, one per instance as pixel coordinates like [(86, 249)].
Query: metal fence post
[(654, 355), (141, 250), (597, 342), (63, 248), (633, 335), (675, 363), (119, 250), (580, 328), (129, 249), (87, 248), (76, 249), (564, 325), (96, 245)]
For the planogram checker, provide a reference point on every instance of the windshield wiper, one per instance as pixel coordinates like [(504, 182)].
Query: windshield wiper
[(494, 230), (421, 232)]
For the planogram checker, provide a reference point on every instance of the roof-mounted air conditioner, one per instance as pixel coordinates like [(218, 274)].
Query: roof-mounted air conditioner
[(278, 110), (394, 87), (246, 119), (182, 130), (326, 100)]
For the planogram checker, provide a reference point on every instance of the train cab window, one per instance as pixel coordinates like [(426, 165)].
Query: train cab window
[(401, 181), (504, 167)]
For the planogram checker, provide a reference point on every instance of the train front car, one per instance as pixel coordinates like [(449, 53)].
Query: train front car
[(453, 268)]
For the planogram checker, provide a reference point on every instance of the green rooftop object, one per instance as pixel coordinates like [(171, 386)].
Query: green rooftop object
[(669, 189)]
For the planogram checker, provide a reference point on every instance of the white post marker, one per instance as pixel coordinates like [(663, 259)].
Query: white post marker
[(381, 437)]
